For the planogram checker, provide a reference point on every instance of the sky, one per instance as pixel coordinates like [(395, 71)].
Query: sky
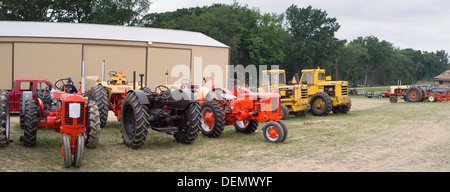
[(418, 24)]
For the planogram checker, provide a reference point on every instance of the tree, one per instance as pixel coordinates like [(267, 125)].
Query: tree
[(31, 10), (313, 41)]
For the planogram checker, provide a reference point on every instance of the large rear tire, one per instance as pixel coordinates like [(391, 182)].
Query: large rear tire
[(92, 134), (4, 119), (30, 123), (321, 104), (188, 128), (133, 121), (99, 94), (414, 94)]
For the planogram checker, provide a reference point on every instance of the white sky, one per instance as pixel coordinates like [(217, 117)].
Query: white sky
[(418, 24)]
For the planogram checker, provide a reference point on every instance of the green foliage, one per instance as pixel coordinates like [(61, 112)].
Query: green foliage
[(301, 38)]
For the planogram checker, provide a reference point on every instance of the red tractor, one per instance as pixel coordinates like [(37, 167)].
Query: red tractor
[(241, 108), (67, 113)]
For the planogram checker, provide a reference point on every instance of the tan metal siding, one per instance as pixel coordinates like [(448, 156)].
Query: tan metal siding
[(125, 59), (6, 65), (162, 59), (47, 61)]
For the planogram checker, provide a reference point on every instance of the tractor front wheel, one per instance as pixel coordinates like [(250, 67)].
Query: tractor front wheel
[(78, 156), (273, 132), (66, 150)]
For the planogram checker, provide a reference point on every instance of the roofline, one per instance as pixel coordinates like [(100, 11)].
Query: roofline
[(208, 41)]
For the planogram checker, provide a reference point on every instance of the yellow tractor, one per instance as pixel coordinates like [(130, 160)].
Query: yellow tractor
[(294, 99), (322, 94), (325, 95), (109, 95)]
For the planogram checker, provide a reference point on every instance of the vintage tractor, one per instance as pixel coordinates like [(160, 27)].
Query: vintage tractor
[(172, 111), (294, 98), (4, 119), (323, 94), (427, 93), (69, 114), (241, 108), (397, 91), (109, 95)]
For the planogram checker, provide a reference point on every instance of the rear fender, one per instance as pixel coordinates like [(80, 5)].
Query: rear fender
[(141, 95), (26, 95)]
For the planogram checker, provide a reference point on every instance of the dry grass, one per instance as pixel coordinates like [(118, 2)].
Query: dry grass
[(375, 136)]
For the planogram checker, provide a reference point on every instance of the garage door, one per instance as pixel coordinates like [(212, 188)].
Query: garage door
[(117, 58), (6, 66)]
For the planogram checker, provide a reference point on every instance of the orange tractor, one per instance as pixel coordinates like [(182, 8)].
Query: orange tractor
[(67, 113), (241, 108)]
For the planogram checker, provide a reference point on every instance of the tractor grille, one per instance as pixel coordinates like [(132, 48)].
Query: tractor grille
[(304, 93), (68, 120), (344, 90)]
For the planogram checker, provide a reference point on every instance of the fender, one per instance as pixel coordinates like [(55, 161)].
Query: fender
[(142, 96), (181, 98), (26, 95)]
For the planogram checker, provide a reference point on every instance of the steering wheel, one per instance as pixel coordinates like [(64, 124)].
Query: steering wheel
[(59, 84), (186, 84), (163, 91), (112, 73), (43, 93)]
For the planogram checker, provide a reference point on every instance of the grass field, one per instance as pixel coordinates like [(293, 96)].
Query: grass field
[(374, 136)]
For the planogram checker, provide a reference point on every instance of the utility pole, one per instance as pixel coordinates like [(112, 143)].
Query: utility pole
[(336, 70)]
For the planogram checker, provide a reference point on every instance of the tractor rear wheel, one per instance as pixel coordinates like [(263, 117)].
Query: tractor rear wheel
[(30, 123), (99, 94), (4, 119), (92, 133), (188, 128), (414, 94), (321, 104), (246, 126), (212, 118), (134, 122), (273, 132)]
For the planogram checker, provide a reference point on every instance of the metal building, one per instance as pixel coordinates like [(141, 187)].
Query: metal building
[(48, 50)]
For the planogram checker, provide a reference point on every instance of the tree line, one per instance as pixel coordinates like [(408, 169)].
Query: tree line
[(300, 38)]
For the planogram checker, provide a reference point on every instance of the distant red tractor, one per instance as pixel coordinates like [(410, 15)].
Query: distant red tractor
[(241, 108), (69, 114)]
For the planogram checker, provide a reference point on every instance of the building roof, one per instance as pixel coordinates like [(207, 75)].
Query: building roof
[(445, 76), (104, 32)]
